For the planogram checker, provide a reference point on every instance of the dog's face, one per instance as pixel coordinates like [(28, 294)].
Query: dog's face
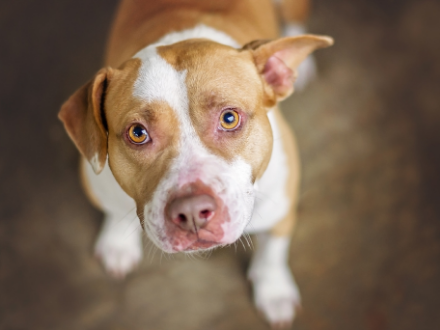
[(186, 132), (203, 137)]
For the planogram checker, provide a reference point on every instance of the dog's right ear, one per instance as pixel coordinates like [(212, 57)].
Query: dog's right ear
[(83, 115)]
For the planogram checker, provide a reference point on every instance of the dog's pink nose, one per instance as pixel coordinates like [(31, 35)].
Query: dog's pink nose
[(192, 212)]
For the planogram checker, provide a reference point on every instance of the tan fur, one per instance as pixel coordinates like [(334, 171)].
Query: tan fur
[(215, 84), (294, 11), (128, 161), (286, 225), (249, 81), (86, 184), (291, 51), (212, 83), (83, 121), (121, 110), (139, 23)]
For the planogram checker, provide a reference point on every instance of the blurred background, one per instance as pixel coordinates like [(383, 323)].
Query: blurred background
[(366, 252)]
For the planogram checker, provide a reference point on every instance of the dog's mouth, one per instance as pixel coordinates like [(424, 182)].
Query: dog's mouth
[(200, 212), (201, 245), (195, 218), (188, 241)]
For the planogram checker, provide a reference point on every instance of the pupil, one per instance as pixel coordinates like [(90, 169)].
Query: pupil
[(229, 118), (138, 131)]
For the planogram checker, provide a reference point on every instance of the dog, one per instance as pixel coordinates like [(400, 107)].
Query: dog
[(182, 129)]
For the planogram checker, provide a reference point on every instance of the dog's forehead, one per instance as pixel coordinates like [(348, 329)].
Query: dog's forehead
[(211, 66), (195, 53), (194, 68), (157, 80)]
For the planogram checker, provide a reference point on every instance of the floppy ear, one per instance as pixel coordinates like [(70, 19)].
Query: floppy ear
[(84, 119), (277, 60)]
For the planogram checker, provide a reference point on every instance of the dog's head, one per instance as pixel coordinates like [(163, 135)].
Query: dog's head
[(186, 132)]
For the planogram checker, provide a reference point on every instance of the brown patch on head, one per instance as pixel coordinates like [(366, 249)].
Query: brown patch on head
[(221, 77), (138, 168), (82, 115)]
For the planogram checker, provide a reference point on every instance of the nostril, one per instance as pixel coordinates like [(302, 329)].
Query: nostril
[(205, 214), (182, 217), (191, 212)]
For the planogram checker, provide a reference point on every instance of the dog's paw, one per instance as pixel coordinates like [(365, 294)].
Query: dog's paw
[(119, 253), (276, 296)]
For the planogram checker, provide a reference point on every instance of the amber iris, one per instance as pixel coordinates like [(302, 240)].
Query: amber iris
[(229, 119), (138, 134)]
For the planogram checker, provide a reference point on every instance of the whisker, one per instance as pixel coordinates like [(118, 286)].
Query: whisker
[(248, 239), (244, 247), (122, 218), (150, 255), (266, 197)]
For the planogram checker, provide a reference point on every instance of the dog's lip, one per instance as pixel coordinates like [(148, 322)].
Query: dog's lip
[(201, 244)]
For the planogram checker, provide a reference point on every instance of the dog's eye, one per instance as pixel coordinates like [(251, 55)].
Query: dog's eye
[(229, 119), (138, 134)]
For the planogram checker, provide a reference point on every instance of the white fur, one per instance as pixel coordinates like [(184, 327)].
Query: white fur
[(159, 81), (119, 244), (276, 294), (272, 202), (307, 69), (95, 163), (199, 31)]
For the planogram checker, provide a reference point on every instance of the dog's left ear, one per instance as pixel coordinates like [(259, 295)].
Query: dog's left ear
[(277, 60), (84, 119)]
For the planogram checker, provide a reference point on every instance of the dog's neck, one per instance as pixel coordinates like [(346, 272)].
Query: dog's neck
[(141, 23)]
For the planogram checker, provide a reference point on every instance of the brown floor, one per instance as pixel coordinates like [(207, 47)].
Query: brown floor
[(366, 252)]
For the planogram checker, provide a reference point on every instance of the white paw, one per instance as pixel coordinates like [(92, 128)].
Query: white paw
[(119, 250), (276, 296)]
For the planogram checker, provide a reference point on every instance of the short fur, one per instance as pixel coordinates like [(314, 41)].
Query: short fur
[(175, 80)]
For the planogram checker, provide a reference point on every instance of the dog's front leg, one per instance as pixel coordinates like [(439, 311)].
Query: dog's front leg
[(119, 244), (275, 292)]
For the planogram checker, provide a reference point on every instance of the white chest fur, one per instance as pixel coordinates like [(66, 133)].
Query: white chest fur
[(271, 203)]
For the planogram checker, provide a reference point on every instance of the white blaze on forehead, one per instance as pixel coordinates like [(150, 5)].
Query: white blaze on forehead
[(230, 181), (159, 81)]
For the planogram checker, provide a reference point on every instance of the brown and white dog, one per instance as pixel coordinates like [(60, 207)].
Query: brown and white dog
[(182, 128)]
